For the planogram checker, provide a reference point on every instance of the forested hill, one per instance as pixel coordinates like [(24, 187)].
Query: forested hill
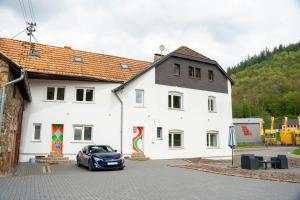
[(268, 84)]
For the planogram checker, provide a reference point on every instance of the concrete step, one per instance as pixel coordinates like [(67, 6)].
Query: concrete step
[(53, 158), (138, 156)]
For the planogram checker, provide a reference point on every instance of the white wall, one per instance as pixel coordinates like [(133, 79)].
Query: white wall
[(103, 114), (194, 119)]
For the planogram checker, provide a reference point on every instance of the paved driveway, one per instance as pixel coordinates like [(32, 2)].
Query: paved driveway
[(139, 180)]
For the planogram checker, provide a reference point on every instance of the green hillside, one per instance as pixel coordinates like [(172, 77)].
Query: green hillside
[(268, 84)]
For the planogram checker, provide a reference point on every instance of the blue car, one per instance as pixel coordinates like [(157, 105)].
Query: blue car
[(100, 157)]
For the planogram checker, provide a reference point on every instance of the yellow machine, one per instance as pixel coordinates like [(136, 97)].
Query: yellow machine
[(287, 132), (269, 134), (297, 133)]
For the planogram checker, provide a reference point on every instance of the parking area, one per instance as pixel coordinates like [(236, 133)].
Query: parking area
[(139, 180)]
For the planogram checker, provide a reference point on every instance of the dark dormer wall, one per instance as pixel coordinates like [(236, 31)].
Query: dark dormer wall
[(164, 75)]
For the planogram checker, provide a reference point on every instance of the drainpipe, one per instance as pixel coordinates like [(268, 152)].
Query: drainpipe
[(121, 102), (4, 95)]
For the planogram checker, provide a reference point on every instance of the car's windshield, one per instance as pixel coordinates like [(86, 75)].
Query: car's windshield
[(100, 149)]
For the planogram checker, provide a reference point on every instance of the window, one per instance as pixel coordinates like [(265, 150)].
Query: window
[(159, 133), (212, 139), (139, 98), (175, 100), (78, 59), (176, 68), (191, 71), (34, 53), (82, 133), (37, 132), (198, 73), (85, 94), (175, 139), (212, 104), (55, 93), (210, 75), (124, 66)]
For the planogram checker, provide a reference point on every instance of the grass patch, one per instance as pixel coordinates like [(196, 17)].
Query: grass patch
[(296, 152), (249, 145)]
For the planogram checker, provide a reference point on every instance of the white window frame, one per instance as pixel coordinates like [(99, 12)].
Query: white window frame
[(172, 132), (83, 133), (208, 135), (33, 132), (161, 133), (175, 93), (143, 98), (55, 93), (212, 101), (84, 94)]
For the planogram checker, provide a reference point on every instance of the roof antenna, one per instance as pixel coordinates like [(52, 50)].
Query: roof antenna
[(161, 48), (30, 29)]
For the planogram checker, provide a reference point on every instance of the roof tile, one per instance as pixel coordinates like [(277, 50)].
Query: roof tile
[(60, 61)]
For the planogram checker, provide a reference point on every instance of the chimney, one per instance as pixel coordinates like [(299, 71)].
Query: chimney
[(67, 47), (157, 56)]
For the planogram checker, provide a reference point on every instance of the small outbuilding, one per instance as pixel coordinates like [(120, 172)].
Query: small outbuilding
[(247, 130)]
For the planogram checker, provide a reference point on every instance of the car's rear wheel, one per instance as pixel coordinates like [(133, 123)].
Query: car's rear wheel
[(91, 167)]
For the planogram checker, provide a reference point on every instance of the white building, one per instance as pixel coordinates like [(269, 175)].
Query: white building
[(176, 107)]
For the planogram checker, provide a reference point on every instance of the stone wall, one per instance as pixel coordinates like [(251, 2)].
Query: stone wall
[(11, 122)]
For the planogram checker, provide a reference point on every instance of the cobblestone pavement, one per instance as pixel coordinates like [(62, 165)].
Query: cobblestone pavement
[(268, 151), (139, 180)]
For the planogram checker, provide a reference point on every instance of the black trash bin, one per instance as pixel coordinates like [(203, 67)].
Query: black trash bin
[(283, 162), (248, 161), (260, 159)]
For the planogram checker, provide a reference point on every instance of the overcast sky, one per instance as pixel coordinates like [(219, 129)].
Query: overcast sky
[(226, 31)]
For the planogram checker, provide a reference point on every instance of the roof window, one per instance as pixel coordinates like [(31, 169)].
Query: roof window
[(33, 52), (78, 59), (124, 66)]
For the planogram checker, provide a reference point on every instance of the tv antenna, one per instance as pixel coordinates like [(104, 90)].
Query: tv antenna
[(30, 29), (161, 48)]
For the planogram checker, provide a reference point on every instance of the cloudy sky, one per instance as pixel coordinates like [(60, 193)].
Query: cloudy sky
[(226, 31)]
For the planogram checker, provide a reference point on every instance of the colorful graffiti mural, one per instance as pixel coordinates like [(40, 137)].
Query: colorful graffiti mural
[(137, 141), (57, 137), (246, 131)]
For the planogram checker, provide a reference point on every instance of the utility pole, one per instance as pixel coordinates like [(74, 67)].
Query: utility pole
[(30, 29)]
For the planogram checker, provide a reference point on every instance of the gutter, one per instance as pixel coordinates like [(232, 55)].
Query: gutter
[(121, 131), (22, 77)]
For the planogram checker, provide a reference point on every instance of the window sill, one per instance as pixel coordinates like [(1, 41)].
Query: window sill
[(197, 78), (55, 101), (84, 102), (159, 139), (82, 141), (36, 141), (213, 148), (176, 148), (212, 111), (177, 109), (137, 106)]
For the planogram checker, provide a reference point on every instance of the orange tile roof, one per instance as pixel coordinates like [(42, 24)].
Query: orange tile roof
[(60, 61)]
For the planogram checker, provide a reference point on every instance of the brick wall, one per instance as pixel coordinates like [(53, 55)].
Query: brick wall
[(13, 107)]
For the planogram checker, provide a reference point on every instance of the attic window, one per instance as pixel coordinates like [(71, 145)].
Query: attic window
[(78, 59), (124, 66), (33, 52)]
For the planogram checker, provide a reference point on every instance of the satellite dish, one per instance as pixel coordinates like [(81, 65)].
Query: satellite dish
[(161, 48)]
